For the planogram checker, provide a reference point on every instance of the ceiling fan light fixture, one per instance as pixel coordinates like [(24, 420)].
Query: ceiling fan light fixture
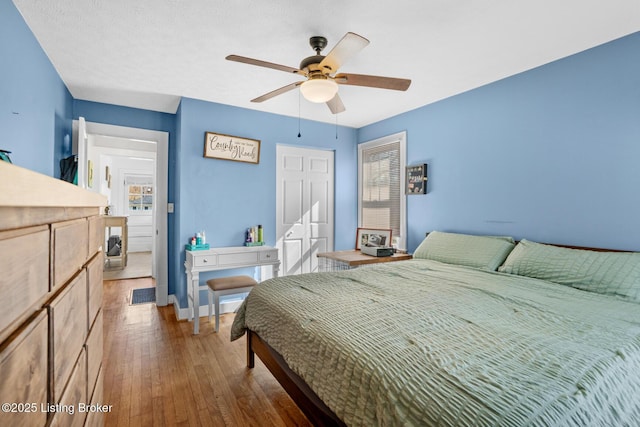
[(319, 90)]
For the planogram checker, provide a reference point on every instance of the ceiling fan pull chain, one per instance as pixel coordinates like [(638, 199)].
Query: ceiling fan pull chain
[(299, 112), (335, 101)]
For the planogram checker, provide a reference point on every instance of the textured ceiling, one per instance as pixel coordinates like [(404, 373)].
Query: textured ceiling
[(149, 53)]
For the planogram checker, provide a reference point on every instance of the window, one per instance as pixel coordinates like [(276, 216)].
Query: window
[(381, 200), (140, 198)]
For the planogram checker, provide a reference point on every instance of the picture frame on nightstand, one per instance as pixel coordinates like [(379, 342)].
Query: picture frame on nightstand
[(373, 237)]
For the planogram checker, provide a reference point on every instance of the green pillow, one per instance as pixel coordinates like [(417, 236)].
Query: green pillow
[(610, 273), (483, 252)]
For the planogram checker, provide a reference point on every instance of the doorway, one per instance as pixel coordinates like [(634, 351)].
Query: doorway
[(304, 207), (131, 195), (101, 145)]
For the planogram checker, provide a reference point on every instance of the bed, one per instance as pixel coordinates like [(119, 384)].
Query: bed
[(475, 330)]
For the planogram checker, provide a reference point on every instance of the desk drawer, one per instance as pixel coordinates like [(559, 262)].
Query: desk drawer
[(266, 256), (238, 258), (205, 260)]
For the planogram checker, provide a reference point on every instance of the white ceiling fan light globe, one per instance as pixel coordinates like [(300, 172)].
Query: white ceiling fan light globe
[(319, 90)]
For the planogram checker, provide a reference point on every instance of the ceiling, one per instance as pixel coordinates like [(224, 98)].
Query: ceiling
[(150, 53)]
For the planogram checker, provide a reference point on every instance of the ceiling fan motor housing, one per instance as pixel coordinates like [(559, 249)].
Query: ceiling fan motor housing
[(317, 43), (307, 63)]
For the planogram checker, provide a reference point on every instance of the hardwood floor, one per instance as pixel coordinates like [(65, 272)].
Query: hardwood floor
[(157, 373), (138, 265)]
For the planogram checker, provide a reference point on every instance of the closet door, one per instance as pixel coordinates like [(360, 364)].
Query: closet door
[(304, 207)]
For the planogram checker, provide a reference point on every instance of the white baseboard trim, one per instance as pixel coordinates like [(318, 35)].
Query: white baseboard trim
[(203, 311)]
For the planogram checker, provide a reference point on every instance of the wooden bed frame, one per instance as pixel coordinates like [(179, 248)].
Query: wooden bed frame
[(307, 400)]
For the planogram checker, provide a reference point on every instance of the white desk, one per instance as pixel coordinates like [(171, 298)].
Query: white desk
[(222, 259)]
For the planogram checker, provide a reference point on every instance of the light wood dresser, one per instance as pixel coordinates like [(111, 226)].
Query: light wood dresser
[(51, 238)]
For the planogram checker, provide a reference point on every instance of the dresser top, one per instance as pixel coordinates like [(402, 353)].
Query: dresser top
[(20, 187)]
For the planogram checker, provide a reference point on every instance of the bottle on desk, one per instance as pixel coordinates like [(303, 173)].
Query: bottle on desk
[(254, 236)]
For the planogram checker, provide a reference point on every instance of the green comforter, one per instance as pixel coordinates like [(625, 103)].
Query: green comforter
[(425, 343)]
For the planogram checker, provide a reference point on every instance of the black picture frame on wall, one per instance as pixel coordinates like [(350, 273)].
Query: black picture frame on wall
[(416, 177)]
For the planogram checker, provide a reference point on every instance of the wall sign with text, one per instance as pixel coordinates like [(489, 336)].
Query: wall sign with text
[(227, 147)]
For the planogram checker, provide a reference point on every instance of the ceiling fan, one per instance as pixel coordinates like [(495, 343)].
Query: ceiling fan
[(321, 84)]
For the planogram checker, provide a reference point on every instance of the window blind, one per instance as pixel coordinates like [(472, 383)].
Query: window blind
[(381, 187)]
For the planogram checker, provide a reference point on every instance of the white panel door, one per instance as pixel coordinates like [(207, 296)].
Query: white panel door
[(304, 207)]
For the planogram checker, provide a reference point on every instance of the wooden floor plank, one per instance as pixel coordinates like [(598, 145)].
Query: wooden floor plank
[(157, 373)]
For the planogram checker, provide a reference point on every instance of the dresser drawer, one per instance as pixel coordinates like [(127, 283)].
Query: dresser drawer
[(74, 394), (266, 256), (68, 324), (205, 260), (24, 272), (96, 234), (94, 287), (95, 418), (94, 351), (23, 374), (69, 244), (238, 258)]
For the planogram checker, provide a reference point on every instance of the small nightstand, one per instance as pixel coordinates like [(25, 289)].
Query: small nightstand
[(346, 260)]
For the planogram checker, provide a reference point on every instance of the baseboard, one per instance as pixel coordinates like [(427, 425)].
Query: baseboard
[(182, 313)]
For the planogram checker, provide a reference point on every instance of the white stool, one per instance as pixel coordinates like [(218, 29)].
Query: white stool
[(230, 285)]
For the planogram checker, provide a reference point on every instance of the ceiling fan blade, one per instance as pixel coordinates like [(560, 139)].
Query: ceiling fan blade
[(335, 105), (277, 92), (373, 81), (348, 46), (265, 64)]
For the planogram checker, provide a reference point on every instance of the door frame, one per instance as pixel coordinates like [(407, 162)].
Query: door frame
[(160, 242)]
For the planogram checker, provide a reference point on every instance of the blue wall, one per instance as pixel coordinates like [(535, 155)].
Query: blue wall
[(35, 105), (550, 154), (124, 116), (224, 198)]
